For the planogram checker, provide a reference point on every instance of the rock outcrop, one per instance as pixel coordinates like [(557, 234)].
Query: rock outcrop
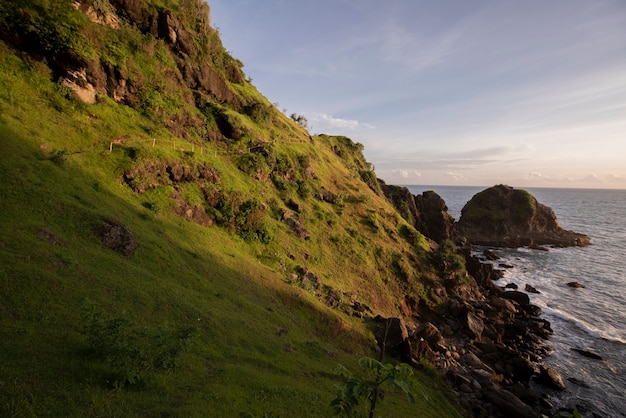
[(506, 217), (433, 219)]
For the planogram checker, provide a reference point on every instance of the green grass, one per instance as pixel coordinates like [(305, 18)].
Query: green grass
[(60, 178)]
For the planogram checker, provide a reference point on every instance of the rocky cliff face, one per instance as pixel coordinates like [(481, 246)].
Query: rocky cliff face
[(507, 217), (427, 212)]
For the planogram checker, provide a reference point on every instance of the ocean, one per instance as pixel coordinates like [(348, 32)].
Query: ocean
[(591, 318)]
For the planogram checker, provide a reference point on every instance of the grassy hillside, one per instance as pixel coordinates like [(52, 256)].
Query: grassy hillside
[(239, 299)]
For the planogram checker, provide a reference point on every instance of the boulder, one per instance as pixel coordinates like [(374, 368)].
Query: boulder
[(506, 217), (550, 377), (390, 332), (576, 285), (475, 325), (519, 297), (530, 289), (508, 404), (429, 333), (116, 236)]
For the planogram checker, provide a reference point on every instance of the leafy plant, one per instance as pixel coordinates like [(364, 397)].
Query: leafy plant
[(358, 393)]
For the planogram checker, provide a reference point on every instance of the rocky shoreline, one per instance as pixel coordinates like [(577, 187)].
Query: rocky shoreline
[(487, 340), (489, 348)]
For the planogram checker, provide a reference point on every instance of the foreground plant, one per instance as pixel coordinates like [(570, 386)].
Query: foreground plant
[(358, 393)]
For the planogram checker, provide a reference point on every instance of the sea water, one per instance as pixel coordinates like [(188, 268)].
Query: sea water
[(591, 318)]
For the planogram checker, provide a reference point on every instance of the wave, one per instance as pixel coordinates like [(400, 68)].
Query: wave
[(585, 327)]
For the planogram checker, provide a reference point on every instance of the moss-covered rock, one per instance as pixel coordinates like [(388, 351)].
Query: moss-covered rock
[(508, 217)]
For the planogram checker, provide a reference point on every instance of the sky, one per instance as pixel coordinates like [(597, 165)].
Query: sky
[(529, 93)]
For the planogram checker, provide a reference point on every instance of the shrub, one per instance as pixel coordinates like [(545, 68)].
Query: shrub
[(359, 393), (132, 351)]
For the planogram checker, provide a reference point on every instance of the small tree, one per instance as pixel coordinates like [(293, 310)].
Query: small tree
[(300, 120), (357, 393)]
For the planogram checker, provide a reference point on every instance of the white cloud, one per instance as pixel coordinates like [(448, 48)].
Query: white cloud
[(406, 174), (322, 121), (455, 176)]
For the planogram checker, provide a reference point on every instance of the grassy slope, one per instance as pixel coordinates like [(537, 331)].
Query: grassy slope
[(235, 293)]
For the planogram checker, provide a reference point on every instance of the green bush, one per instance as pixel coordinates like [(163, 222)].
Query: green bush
[(358, 394), (132, 351)]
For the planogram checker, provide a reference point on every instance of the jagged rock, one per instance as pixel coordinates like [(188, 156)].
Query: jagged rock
[(432, 217), (116, 236), (475, 325), (532, 310), (196, 214), (530, 289), (390, 332), (511, 286), (402, 200), (587, 353), (578, 382), (430, 333), (295, 225), (576, 285), (490, 255), (506, 217), (519, 297), (550, 377), (504, 305), (508, 404)]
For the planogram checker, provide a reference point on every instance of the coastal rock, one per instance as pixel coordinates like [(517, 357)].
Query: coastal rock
[(550, 377), (519, 297), (475, 325), (530, 289), (576, 285), (433, 219), (508, 404), (587, 353), (506, 217)]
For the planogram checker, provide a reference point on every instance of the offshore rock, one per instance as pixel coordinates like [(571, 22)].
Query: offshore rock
[(506, 217)]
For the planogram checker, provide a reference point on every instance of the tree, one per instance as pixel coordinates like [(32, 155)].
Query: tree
[(300, 120)]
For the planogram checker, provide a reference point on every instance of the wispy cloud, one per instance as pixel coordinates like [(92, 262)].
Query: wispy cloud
[(322, 122)]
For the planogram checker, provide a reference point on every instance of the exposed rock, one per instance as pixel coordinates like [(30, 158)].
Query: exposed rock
[(511, 286), (530, 289), (432, 217), (588, 354), (509, 404), (490, 255), (519, 297), (116, 236), (429, 333), (506, 217), (576, 285), (402, 200), (550, 377), (475, 325), (295, 225), (195, 214), (390, 332)]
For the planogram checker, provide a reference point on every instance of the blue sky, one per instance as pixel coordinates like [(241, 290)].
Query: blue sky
[(449, 92)]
